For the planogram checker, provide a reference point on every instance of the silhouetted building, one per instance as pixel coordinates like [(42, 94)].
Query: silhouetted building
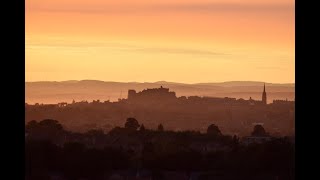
[(131, 94), (282, 102), (264, 95), (251, 102), (148, 95), (62, 104)]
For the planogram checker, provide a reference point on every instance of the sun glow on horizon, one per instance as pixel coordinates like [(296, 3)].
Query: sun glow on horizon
[(147, 41)]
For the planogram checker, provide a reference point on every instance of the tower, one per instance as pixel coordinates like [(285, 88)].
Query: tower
[(264, 95), (131, 94)]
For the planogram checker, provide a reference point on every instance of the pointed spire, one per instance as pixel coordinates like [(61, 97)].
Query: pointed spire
[(264, 94)]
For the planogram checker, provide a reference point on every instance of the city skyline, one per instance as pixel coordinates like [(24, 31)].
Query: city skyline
[(68, 91), (163, 105)]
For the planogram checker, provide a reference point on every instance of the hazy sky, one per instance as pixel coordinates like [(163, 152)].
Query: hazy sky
[(147, 40)]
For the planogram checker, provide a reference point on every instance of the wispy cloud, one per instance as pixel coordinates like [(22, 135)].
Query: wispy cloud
[(271, 68), (179, 51), (223, 7), (124, 47), (163, 8), (80, 45)]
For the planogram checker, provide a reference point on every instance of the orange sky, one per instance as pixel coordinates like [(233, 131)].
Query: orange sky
[(146, 40)]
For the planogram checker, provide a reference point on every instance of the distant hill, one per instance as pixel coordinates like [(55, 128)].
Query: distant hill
[(48, 92), (246, 83)]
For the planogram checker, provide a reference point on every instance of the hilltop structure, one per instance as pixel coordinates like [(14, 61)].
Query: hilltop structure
[(164, 95), (149, 95), (160, 105)]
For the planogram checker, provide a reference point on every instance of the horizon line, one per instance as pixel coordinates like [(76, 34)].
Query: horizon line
[(159, 81)]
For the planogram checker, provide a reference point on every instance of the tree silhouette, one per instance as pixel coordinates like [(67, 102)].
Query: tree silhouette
[(132, 123), (50, 123), (148, 148), (95, 132), (259, 131), (47, 129), (235, 140), (160, 127), (96, 135), (142, 128), (80, 160), (117, 131), (213, 130), (31, 125)]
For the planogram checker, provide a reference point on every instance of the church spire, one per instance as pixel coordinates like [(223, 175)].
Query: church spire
[(264, 94)]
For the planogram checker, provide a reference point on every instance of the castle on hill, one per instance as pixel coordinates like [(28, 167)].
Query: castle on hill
[(156, 94), (164, 95)]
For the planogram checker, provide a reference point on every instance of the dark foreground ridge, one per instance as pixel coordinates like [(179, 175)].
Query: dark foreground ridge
[(135, 152)]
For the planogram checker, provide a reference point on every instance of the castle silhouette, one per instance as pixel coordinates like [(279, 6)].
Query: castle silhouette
[(163, 94)]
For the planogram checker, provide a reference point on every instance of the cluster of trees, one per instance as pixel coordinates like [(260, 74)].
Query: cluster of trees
[(76, 161), (45, 155), (259, 131), (52, 130), (133, 124), (73, 161), (279, 119)]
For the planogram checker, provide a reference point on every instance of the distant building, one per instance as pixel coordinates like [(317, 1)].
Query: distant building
[(264, 95), (282, 102), (147, 95), (62, 104), (251, 102)]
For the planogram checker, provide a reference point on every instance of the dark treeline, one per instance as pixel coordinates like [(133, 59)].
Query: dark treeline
[(135, 152), (178, 114)]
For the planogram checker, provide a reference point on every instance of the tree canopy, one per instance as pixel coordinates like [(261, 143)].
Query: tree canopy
[(258, 130), (214, 130), (142, 128), (160, 127), (132, 123), (50, 123)]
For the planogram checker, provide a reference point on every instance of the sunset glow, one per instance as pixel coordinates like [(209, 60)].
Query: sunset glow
[(145, 41)]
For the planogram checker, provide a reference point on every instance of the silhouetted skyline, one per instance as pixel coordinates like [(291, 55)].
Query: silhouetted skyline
[(161, 105), (67, 91)]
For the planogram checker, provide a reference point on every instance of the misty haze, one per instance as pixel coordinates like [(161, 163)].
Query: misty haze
[(160, 90), (161, 104), (67, 91)]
